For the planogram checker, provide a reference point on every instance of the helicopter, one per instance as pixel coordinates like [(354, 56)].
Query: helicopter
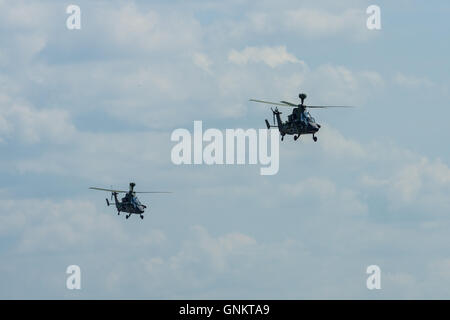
[(130, 203), (299, 121)]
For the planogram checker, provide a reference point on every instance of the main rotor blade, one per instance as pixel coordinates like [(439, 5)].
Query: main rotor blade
[(109, 190), (268, 102), (152, 192), (329, 107), (289, 103)]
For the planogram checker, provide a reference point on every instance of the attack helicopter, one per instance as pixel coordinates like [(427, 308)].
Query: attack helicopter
[(130, 203), (299, 121)]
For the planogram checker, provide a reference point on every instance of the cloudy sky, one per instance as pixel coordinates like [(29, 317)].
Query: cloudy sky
[(97, 106)]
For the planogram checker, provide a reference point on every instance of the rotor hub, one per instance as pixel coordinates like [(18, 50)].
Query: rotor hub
[(302, 97)]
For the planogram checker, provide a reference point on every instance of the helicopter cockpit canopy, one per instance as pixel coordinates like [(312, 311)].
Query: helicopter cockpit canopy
[(308, 117), (136, 201)]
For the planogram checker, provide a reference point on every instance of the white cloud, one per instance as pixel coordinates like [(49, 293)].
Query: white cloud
[(410, 81), (424, 183), (213, 252), (32, 125), (329, 197), (259, 21), (314, 22), (272, 56), (340, 73), (418, 184), (335, 144), (136, 28), (89, 155), (69, 225), (23, 14), (202, 61)]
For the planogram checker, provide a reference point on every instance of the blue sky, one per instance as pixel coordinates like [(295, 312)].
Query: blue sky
[(97, 106)]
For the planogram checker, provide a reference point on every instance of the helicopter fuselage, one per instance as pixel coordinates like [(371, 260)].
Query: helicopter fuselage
[(299, 122), (129, 204)]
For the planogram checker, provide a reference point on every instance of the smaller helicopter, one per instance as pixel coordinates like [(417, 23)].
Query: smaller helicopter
[(130, 203), (299, 121)]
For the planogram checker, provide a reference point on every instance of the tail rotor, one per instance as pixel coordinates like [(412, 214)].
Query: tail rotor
[(274, 114)]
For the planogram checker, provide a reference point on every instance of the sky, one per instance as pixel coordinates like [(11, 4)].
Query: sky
[(97, 106)]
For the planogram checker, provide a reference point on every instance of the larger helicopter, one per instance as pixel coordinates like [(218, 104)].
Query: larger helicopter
[(130, 203), (299, 121)]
